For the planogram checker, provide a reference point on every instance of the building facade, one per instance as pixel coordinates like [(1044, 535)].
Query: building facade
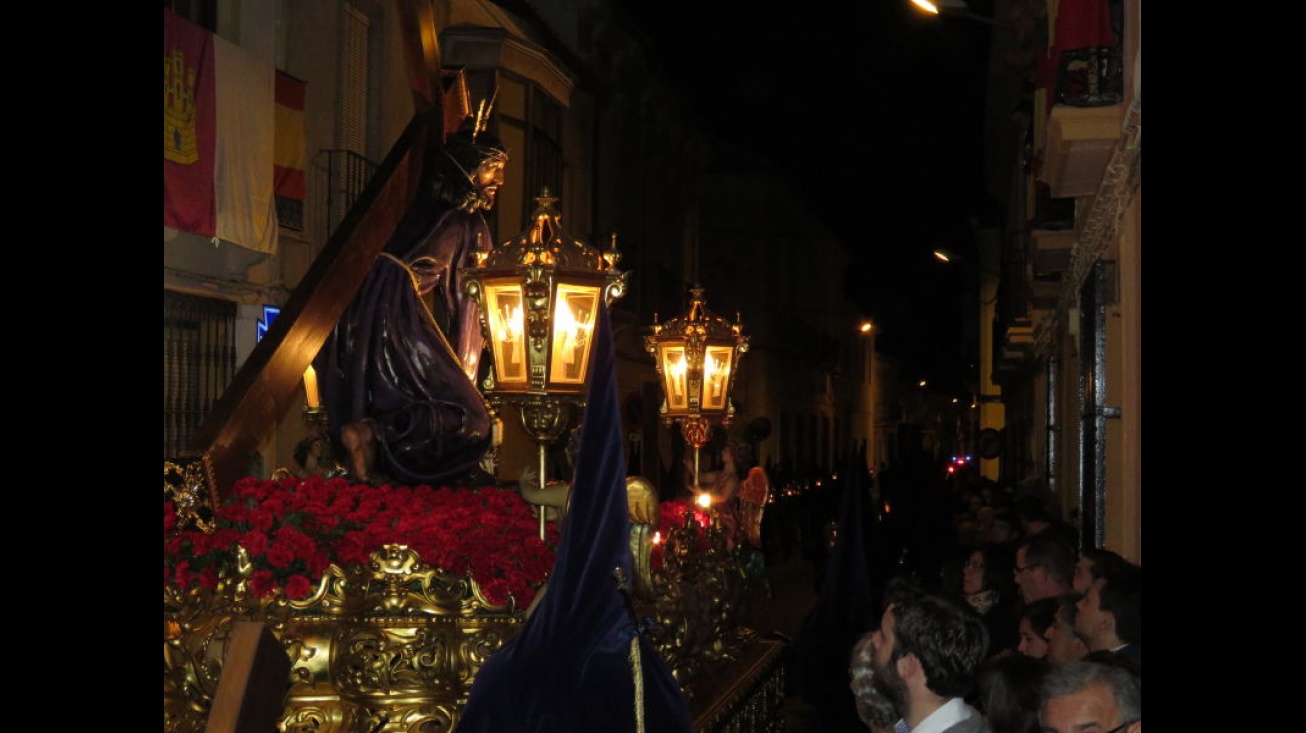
[(582, 112), (1062, 284)]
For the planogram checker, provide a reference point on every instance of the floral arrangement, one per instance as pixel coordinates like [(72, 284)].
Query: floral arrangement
[(294, 529)]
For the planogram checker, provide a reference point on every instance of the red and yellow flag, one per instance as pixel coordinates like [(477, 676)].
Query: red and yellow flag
[(290, 152)]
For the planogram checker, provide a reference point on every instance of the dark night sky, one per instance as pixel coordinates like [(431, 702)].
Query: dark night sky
[(877, 110)]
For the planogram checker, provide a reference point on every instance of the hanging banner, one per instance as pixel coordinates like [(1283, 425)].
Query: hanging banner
[(1082, 67), (218, 138)]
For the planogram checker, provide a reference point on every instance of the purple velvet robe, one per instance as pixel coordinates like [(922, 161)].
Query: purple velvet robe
[(409, 369)]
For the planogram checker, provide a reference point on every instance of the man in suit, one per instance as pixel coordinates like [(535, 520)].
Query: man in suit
[(926, 653), (1110, 615), (1045, 566)]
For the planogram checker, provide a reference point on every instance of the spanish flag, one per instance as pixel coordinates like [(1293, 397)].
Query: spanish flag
[(218, 138), (290, 155)]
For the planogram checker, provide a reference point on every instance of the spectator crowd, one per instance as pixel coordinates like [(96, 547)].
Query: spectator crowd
[(1015, 626)]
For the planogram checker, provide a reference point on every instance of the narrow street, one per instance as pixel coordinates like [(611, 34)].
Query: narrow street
[(794, 595)]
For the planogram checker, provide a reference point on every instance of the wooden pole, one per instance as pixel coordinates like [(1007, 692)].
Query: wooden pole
[(266, 384)]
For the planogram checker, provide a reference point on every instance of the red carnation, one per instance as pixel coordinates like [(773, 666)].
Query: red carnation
[(255, 542), (262, 583), (298, 587)]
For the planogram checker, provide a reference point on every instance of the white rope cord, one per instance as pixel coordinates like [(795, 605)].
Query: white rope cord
[(637, 670)]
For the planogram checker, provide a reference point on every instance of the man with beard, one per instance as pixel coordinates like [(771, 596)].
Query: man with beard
[(873, 708), (926, 653)]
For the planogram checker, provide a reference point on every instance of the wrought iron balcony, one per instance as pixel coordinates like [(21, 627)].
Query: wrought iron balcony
[(336, 179), (1087, 93)]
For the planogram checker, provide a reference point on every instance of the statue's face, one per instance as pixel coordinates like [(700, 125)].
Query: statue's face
[(487, 178)]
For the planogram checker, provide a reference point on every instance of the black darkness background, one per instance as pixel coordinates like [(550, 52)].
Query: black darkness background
[(877, 110)]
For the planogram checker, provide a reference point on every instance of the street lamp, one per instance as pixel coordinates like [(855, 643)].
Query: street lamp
[(696, 356), (953, 8), (538, 296)]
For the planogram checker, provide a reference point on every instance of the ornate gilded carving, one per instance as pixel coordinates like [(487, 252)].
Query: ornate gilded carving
[(390, 647), (698, 599), (395, 646), (186, 484)]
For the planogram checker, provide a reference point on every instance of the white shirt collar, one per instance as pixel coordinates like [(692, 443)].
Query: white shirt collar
[(953, 711)]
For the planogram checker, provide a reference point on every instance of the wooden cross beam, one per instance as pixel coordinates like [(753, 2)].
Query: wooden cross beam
[(267, 383)]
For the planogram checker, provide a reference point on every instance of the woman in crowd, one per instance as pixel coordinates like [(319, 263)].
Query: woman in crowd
[(1035, 619), (988, 586)]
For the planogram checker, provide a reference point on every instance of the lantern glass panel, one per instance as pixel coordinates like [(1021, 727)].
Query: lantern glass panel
[(504, 308), (675, 373), (716, 376), (575, 308)]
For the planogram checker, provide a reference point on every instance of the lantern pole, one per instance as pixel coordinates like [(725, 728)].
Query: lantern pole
[(694, 430), (543, 509), (538, 295)]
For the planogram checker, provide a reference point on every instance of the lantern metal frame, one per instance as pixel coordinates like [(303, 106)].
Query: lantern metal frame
[(697, 358), (537, 295)]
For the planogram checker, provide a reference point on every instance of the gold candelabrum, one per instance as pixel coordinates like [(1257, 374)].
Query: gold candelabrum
[(538, 297), (697, 356), (315, 454), (316, 418)]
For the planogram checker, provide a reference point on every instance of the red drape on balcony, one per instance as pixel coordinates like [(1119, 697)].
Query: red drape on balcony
[(1080, 24)]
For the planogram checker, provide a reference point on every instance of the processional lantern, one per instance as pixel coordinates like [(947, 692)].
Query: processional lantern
[(697, 356), (538, 296)]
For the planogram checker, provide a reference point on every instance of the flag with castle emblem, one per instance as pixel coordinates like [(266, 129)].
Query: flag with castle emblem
[(219, 135)]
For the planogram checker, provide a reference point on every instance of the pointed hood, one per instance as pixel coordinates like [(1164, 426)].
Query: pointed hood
[(571, 668), (847, 587), (848, 607)]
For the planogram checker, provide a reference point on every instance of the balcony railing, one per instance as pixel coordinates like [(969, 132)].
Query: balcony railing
[(1087, 92), (1090, 77), (336, 179)]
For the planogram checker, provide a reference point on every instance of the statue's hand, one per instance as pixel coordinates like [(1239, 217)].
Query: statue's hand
[(552, 499), (527, 481)]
